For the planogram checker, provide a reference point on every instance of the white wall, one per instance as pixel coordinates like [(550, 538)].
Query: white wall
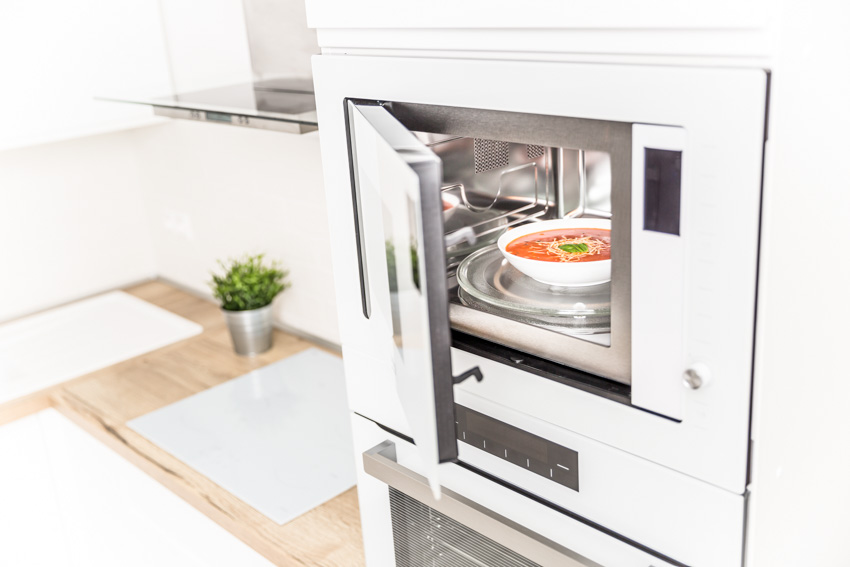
[(71, 218), (800, 502), (215, 191), (72, 222), (81, 216), (207, 43)]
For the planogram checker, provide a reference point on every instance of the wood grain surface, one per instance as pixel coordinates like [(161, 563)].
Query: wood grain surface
[(102, 402)]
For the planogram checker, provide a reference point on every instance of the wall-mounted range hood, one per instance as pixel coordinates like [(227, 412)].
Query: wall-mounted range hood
[(280, 98), (277, 104)]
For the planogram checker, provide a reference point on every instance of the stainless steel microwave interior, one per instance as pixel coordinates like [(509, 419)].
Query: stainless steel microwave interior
[(504, 169)]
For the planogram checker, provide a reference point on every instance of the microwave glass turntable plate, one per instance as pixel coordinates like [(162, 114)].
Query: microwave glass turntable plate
[(489, 283)]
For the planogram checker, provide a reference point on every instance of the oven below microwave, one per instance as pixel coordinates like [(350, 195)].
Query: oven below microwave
[(498, 520)]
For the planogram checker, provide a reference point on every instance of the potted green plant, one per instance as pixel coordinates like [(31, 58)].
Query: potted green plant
[(246, 290)]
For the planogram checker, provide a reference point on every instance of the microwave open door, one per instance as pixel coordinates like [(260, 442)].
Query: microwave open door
[(404, 176)]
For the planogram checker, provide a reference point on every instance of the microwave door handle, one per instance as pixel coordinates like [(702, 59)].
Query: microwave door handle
[(381, 463), (473, 372)]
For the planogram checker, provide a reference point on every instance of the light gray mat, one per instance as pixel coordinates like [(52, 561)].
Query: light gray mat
[(278, 438)]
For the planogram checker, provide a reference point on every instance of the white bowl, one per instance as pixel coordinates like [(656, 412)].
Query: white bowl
[(561, 274)]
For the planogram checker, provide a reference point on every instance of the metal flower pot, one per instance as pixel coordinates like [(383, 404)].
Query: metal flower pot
[(251, 331)]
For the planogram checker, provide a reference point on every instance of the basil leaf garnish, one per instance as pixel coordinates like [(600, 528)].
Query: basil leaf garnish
[(577, 248)]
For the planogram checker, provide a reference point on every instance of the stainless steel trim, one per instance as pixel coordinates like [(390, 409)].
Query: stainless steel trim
[(558, 167), (582, 354), (236, 120), (696, 377), (380, 462), (582, 187), (357, 202), (691, 379), (582, 210)]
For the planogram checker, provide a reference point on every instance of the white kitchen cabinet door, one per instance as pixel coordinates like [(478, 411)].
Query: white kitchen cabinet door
[(66, 500), (31, 531), (115, 514), (57, 56)]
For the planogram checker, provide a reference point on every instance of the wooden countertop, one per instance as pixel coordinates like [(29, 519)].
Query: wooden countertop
[(104, 401)]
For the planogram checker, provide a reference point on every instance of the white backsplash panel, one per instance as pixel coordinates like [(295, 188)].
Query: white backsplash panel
[(216, 193)]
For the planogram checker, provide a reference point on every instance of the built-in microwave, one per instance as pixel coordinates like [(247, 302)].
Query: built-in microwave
[(637, 387)]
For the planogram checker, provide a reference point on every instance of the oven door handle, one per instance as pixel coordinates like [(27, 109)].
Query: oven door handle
[(380, 462)]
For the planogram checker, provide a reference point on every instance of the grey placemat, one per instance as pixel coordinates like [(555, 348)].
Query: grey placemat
[(278, 438)]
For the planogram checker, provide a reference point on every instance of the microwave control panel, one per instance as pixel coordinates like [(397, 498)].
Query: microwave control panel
[(519, 447)]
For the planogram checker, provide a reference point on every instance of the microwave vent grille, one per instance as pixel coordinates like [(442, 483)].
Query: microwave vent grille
[(490, 154), (534, 151)]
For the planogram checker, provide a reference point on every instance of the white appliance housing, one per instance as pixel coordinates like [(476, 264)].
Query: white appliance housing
[(665, 486)]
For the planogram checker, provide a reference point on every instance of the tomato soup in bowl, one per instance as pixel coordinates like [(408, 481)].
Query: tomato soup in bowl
[(561, 252)]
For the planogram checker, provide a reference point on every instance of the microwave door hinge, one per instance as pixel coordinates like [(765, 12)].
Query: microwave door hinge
[(475, 371)]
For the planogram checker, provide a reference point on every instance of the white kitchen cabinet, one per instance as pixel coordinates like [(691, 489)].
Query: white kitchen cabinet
[(66, 500), (31, 531), (477, 14), (58, 55)]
